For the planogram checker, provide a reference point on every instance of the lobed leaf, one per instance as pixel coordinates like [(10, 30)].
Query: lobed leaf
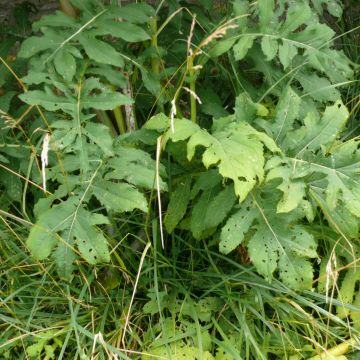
[(243, 45), (286, 112), (275, 241), (237, 150), (317, 133), (119, 197), (65, 64), (59, 227), (124, 30), (48, 101), (178, 204), (100, 51), (100, 135)]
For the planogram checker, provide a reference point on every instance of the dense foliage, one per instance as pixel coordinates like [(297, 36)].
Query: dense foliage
[(214, 132)]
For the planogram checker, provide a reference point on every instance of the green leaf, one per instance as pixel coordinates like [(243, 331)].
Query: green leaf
[(219, 207), (317, 132), (59, 19), (206, 180), (287, 51), (207, 4), (92, 85), (105, 101), (341, 170), (293, 191), (100, 51), (64, 256), (113, 76), (334, 7), (90, 242), (63, 140), (271, 73), (136, 167), (50, 351), (333, 63), (237, 151), (197, 220), (158, 122), (243, 45), (41, 241), (5, 100), (354, 314), (177, 207), (319, 88), (221, 47), (48, 101), (177, 350), (232, 234), (33, 45), (61, 226), (88, 7), (245, 108), (276, 242), (35, 349), (336, 178), (36, 78), (183, 129), (297, 14), (296, 272), (269, 46), (151, 81), (119, 197), (340, 218), (12, 184), (287, 111), (266, 13), (347, 292), (314, 35), (124, 30), (134, 13), (241, 10), (211, 102), (3, 159), (65, 64), (321, 170), (43, 235), (100, 135)]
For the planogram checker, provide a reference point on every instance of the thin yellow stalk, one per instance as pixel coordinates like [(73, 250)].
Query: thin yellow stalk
[(155, 64), (337, 350), (191, 71), (120, 121), (155, 61), (192, 88), (147, 247)]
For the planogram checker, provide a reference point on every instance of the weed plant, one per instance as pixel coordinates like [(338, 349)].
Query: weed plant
[(180, 181)]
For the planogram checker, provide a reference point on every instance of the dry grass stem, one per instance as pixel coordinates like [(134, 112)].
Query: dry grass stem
[(192, 93), (331, 274), (191, 34), (219, 33), (9, 121), (172, 114), (44, 158)]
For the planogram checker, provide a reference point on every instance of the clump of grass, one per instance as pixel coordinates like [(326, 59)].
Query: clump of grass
[(88, 316)]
